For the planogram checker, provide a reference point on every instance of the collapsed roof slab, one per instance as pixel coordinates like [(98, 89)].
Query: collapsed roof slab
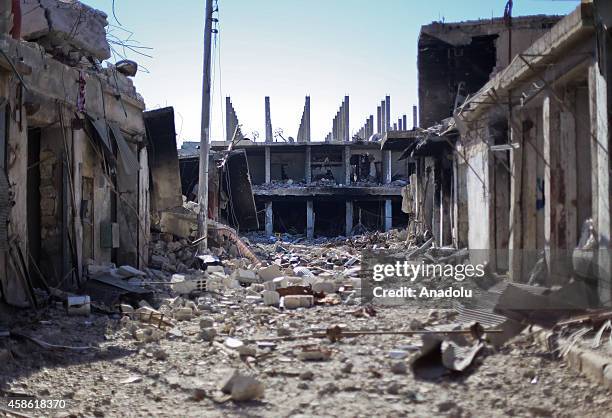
[(67, 29)]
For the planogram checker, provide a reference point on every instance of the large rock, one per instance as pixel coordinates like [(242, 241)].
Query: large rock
[(67, 29)]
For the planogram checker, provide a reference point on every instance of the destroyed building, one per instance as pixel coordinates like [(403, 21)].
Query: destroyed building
[(331, 188), (74, 178), (517, 155)]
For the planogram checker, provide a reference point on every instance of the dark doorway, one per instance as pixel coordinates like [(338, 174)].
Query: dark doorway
[(33, 204)]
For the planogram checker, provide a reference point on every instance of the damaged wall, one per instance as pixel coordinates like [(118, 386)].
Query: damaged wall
[(68, 31), (457, 59), (75, 179)]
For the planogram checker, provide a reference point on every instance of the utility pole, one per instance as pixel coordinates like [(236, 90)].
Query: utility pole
[(205, 131)]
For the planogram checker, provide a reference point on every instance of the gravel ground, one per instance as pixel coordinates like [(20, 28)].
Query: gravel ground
[(178, 376), (177, 372)]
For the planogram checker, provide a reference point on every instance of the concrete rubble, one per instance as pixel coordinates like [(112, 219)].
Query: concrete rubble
[(68, 30), (276, 317), (245, 346)]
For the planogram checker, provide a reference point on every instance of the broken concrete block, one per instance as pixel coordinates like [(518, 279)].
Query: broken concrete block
[(183, 284), (226, 383), (206, 323), (270, 286), (399, 367), (128, 68), (241, 387), (324, 286), (66, 28), (183, 314), (208, 334), (247, 351), (314, 354), (298, 301), (245, 276), (147, 335), (270, 297), (215, 269), (246, 388), (256, 287), (231, 283), (280, 282), (269, 273)]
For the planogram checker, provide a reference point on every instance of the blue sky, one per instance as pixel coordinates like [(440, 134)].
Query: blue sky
[(287, 49)]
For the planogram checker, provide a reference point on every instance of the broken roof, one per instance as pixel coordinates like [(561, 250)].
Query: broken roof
[(461, 33), (571, 29)]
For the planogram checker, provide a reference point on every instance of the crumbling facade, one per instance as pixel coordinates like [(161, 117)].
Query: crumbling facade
[(524, 161), (73, 162), (321, 188)]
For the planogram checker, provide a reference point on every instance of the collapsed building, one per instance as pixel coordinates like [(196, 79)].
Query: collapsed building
[(74, 178), (513, 157), (336, 187)]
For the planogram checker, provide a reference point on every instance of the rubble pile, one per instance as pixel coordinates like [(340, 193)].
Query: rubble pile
[(68, 30), (290, 334)]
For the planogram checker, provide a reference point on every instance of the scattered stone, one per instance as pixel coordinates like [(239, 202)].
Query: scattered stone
[(160, 354), (241, 387), (206, 323), (307, 375), (208, 334), (394, 388), (347, 367), (297, 301), (399, 367), (446, 406), (183, 314), (270, 297), (328, 389)]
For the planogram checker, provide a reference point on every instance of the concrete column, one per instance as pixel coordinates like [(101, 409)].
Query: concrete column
[(347, 165), (229, 132), (308, 165), (404, 122), (400, 124), (383, 113), (415, 120), (387, 113), (310, 219), (554, 227), (269, 219), (388, 215), (269, 137), (267, 163), (379, 120), (335, 129), (307, 119), (598, 99), (386, 166), (371, 130), (395, 126), (516, 243), (349, 218), (346, 124)]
